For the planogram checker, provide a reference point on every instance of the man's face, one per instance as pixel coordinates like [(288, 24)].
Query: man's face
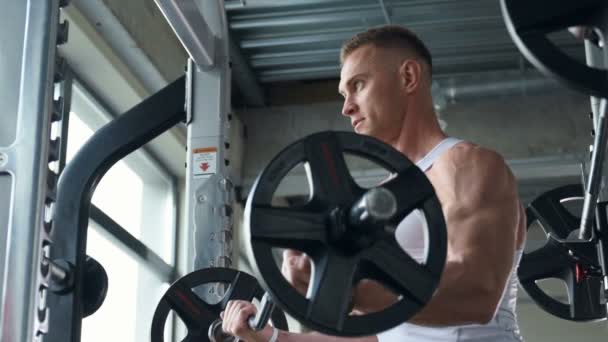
[(372, 90)]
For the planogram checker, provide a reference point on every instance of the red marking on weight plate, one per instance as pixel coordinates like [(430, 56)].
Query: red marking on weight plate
[(188, 303), (330, 164), (204, 166), (579, 273)]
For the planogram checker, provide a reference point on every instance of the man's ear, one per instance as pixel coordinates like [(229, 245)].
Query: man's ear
[(410, 74)]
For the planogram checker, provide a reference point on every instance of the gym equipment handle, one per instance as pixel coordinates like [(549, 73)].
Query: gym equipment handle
[(259, 321)]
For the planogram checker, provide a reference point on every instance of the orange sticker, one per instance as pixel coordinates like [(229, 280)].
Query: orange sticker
[(205, 149), (204, 161)]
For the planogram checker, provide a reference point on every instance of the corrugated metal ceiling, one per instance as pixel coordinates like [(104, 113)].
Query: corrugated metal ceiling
[(286, 40)]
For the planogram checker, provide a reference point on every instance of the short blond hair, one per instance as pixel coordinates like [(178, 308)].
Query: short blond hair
[(389, 36)]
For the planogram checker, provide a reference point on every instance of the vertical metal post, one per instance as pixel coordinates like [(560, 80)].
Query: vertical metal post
[(27, 66), (209, 189), (595, 58), (596, 177), (596, 189)]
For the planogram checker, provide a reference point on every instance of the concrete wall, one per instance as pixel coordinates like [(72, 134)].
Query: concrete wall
[(524, 127), (519, 127)]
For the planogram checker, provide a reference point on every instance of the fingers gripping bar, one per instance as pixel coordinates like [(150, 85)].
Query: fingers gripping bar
[(259, 321)]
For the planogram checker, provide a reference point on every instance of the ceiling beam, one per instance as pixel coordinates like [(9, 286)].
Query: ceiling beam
[(191, 29)]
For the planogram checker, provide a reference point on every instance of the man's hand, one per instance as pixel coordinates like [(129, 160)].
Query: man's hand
[(235, 321), (371, 296), (368, 296), (296, 269)]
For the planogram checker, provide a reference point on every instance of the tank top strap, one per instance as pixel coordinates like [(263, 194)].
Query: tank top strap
[(427, 161)]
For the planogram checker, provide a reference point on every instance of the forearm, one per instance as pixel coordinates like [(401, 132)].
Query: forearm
[(465, 295), (461, 298), (286, 336), (370, 296)]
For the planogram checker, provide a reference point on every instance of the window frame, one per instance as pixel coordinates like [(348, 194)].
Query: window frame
[(150, 169)]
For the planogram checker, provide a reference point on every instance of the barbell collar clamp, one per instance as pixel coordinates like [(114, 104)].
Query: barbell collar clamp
[(376, 205)]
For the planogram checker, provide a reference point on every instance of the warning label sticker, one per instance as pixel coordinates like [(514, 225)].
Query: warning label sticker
[(204, 161)]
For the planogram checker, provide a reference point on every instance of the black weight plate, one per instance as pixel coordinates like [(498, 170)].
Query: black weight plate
[(197, 314), (552, 260), (529, 23), (336, 267)]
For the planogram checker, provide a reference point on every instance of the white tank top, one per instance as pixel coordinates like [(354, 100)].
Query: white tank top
[(411, 236)]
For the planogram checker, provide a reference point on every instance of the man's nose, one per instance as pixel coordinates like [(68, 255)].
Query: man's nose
[(349, 107)]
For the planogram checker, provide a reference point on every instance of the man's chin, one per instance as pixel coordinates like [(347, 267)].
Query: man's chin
[(362, 130), (359, 129)]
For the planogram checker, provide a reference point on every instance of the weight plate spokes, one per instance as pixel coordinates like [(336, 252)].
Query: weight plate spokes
[(343, 253), (555, 259), (530, 22), (197, 314)]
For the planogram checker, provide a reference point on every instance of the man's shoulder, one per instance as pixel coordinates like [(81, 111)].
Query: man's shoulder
[(467, 160), (467, 154), (467, 171)]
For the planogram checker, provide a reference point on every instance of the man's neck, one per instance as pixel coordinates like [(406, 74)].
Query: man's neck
[(419, 136)]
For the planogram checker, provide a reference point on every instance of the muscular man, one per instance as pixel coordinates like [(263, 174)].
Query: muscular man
[(386, 84)]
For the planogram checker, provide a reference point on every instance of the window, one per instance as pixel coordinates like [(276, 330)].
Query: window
[(138, 196)]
